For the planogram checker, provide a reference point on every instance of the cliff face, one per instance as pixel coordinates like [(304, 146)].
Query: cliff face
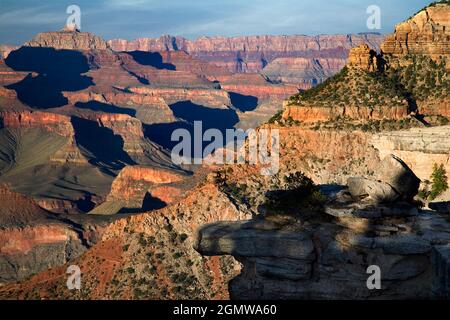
[(420, 148), (329, 260), (5, 50), (409, 76), (150, 253), (299, 60), (324, 253), (31, 239), (355, 94), (68, 40), (252, 53), (428, 32), (303, 72), (134, 183)]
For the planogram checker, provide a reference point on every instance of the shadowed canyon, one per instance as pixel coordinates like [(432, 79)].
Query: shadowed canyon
[(87, 177)]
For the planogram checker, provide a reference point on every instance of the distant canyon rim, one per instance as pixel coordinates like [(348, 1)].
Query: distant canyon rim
[(87, 177)]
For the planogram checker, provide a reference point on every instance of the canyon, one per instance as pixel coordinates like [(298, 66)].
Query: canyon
[(300, 60), (89, 181)]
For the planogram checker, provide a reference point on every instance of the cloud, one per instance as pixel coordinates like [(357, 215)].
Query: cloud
[(21, 19), (30, 16)]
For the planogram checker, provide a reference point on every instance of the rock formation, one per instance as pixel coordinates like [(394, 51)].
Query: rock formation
[(303, 72), (133, 184), (425, 33), (33, 239), (152, 254), (394, 181), (5, 50), (326, 255), (302, 61), (94, 138), (251, 54), (411, 76), (68, 40), (363, 57)]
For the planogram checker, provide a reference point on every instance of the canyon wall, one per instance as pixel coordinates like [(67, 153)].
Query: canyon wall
[(252, 53), (303, 61), (428, 32)]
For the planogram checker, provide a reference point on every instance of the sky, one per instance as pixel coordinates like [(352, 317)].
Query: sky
[(20, 20)]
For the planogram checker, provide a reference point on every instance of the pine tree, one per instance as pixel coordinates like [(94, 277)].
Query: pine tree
[(439, 181)]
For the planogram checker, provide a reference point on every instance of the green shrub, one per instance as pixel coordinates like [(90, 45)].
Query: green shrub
[(276, 117), (439, 182)]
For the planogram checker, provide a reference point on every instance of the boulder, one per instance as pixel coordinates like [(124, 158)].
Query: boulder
[(241, 239), (357, 186), (399, 176), (379, 191)]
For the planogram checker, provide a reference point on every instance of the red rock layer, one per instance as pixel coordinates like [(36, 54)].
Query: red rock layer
[(21, 241), (51, 122), (134, 181), (363, 113), (251, 53), (256, 85), (69, 40), (428, 33)]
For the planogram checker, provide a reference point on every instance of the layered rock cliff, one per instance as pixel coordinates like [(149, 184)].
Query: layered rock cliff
[(300, 60), (5, 50), (68, 40), (32, 239), (409, 76), (425, 33), (141, 188), (251, 54), (147, 256)]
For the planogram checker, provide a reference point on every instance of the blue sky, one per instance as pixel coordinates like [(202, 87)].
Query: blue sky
[(21, 19)]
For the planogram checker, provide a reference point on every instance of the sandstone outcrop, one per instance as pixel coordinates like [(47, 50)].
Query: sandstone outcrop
[(419, 148), (155, 249), (312, 257), (363, 57), (5, 50), (135, 184), (394, 180), (427, 33), (251, 54), (312, 114), (68, 40), (304, 73)]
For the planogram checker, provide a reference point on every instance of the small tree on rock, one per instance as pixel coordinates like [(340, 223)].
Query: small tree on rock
[(439, 181)]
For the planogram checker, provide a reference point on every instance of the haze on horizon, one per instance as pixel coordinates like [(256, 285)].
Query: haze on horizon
[(20, 20)]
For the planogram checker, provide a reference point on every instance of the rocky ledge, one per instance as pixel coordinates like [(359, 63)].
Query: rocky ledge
[(69, 39), (327, 255)]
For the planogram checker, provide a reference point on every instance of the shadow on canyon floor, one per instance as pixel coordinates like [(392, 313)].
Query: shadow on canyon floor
[(57, 71), (104, 147), (242, 102), (189, 112), (104, 107), (153, 59)]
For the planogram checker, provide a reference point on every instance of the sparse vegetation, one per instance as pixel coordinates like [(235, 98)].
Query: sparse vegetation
[(439, 181), (437, 185), (276, 117), (299, 193)]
